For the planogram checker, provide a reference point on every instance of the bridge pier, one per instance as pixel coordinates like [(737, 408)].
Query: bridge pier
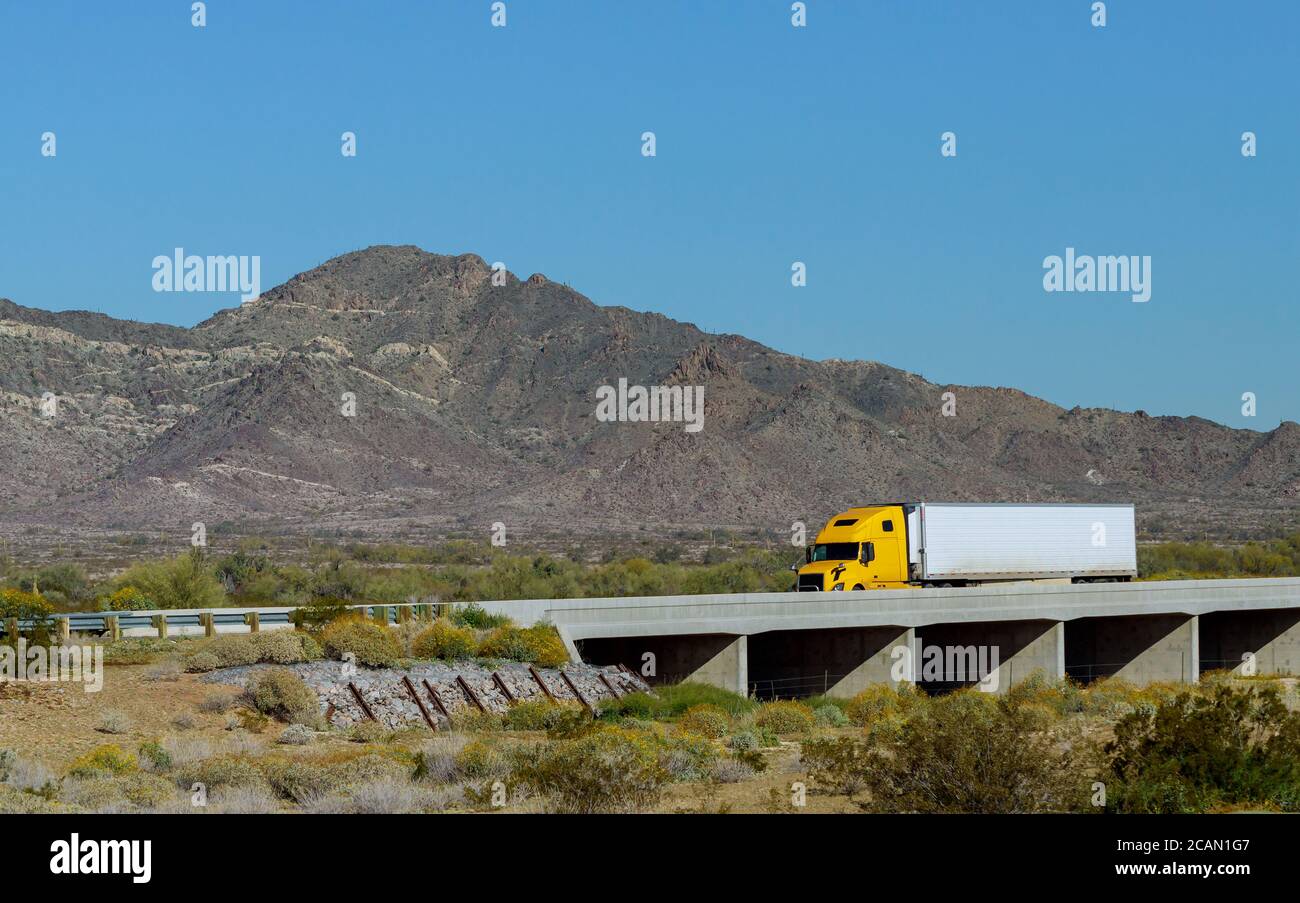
[(1142, 649), (838, 662), (721, 660), (993, 654), (1272, 637)]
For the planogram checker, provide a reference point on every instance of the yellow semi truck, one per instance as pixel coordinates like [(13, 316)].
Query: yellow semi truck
[(917, 544)]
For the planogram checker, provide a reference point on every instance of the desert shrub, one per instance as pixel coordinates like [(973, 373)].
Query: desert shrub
[(296, 735), (785, 717), (26, 774), (687, 757), (244, 799), (547, 647), (219, 771), (476, 617), (184, 750), (1199, 751), (672, 700), (435, 761), (705, 719), (164, 672), (282, 694), (480, 760), (444, 640), (830, 716), (369, 767), (296, 780), (202, 662), (219, 703), (284, 647), (509, 643), (388, 796), (963, 753), (883, 701), (607, 770), (113, 722), (106, 759), (532, 715), (1060, 695), (731, 771), (839, 764), (128, 598), (186, 581), (743, 740), (154, 756), (16, 802), (231, 650), (472, 720), (24, 605), (368, 732), (370, 643), (138, 650)]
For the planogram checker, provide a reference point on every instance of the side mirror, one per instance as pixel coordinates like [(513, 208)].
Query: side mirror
[(868, 552), (795, 566)]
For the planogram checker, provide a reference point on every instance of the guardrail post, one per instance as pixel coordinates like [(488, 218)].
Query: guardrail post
[(254, 622), (65, 629), (381, 614), (160, 622), (209, 623), (112, 628), (403, 614), (11, 630)]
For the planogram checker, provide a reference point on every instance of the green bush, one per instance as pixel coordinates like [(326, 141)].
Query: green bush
[(509, 643), (370, 643), (219, 771), (705, 719), (672, 700), (155, 756), (444, 640), (879, 701), (965, 752), (785, 717), (830, 716), (607, 770), (477, 617), (108, 759), (277, 647), (186, 581), (532, 715), (1220, 748), (202, 662), (282, 694)]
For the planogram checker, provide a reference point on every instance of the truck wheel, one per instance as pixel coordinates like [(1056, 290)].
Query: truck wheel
[(858, 586)]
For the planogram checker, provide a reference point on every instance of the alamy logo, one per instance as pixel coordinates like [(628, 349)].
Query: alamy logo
[(959, 664), (657, 404), (1084, 273), (103, 857), (192, 273), (74, 664)]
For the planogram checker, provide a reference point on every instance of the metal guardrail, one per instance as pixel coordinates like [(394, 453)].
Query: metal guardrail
[(163, 618)]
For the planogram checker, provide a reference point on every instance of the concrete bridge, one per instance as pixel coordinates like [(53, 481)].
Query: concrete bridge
[(795, 644)]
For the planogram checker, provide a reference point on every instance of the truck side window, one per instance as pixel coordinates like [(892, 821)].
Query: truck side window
[(868, 552), (887, 526)]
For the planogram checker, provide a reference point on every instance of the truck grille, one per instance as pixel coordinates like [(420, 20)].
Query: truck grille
[(810, 583)]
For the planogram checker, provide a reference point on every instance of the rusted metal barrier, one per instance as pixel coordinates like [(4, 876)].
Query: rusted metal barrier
[(577, 693), (437, 700), (541, 683), (428, 719), (365, 707), (469, 692), (505, 691)]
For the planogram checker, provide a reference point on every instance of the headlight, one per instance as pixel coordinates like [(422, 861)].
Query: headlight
[(837, 586)]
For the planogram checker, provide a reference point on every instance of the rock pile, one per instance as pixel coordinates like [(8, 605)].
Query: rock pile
[(389, 698)]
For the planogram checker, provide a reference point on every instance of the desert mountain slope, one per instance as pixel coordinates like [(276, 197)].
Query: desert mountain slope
[(392, 385)]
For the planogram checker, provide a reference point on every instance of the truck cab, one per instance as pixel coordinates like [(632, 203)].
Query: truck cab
[(861, 548)]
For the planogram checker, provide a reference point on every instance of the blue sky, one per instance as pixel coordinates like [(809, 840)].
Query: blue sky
[(775, 144)]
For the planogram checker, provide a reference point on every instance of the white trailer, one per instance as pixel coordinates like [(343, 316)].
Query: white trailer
[(960, 544)]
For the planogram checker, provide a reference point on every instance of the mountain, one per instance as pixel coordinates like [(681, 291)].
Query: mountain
[(475, 403)]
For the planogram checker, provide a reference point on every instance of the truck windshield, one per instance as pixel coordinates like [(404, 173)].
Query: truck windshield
[(834, 551)]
